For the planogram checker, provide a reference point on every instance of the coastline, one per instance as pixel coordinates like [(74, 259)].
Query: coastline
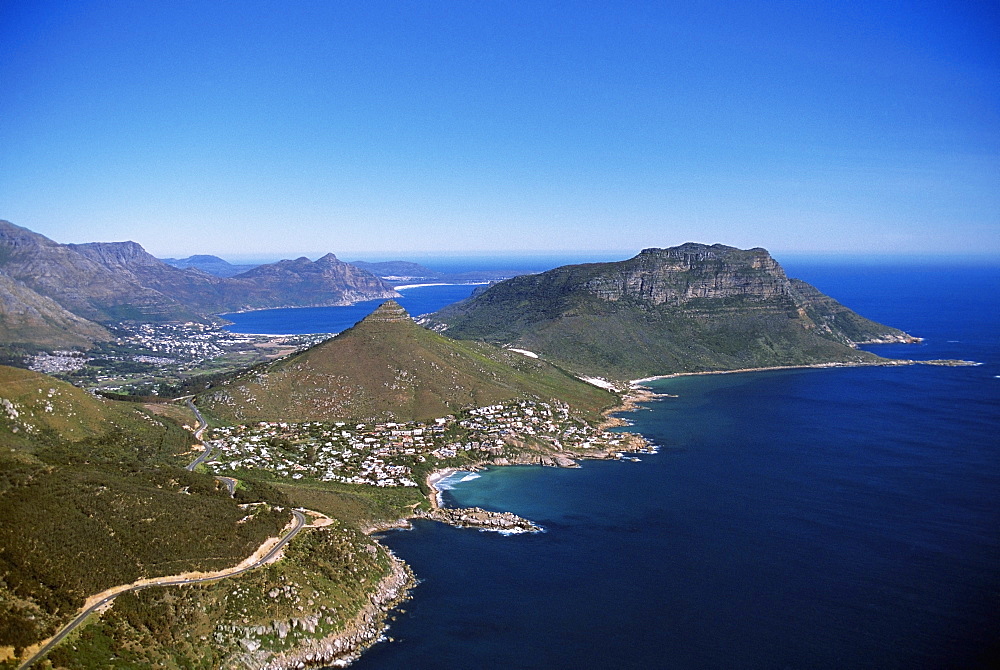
[(884, 363), (633, 400), (366, 628)]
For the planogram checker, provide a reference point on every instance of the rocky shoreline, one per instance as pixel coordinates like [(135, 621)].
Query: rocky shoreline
[(342, 648), (367, 627), (476, 517)]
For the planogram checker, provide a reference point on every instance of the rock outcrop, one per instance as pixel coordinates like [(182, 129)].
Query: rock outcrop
[(690, 272), (364, 630), (476, 517)]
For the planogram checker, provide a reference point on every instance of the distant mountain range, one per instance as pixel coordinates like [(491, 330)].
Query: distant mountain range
[(684, 309), (105, 282), (393, 272), (213, 265), (388, 368)]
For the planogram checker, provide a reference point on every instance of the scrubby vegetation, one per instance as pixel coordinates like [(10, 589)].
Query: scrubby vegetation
[(317, 589), (91, 496), (687, 309)]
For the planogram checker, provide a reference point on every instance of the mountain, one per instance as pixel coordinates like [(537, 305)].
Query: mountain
[(213, 265), (289, 283), (305, 283), (116, 281), (684, 309), (81, 283), (28, 318), (405, 272), (387, 367)]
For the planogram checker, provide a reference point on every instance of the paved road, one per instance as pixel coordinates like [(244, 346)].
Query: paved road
[(197, 435), (300, 521), (229, 482)]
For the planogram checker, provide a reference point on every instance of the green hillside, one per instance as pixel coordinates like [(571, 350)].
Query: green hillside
[(684, 309), (389, 368), (91, 496)]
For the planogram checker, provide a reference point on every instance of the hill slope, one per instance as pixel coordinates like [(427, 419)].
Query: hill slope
[(89, 499), (29, 318), (689, 308), (389, 368)]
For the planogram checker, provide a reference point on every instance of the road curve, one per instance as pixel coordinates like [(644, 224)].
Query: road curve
[(197, 435), (300, 522)]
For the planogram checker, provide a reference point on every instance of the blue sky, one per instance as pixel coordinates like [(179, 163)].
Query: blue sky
[(280, 128)]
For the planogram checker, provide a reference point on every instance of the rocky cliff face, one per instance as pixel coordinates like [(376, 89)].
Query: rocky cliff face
[(81, 282), (689, 308), (691, 271)]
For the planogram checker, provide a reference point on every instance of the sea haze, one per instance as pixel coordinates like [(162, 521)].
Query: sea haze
[(836, 518)]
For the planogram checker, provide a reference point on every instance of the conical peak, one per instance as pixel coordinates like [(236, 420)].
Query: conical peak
[(389, 311)]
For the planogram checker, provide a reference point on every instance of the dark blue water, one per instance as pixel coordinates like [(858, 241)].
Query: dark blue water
[(798, 519), (417, 301)]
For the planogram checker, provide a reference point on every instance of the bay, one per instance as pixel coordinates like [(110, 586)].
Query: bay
[(845, 518), (303, 320)]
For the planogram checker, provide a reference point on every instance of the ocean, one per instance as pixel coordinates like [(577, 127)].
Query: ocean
[(836, 518)]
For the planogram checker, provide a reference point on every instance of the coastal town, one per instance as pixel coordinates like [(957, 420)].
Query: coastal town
[(386, 454), (151, 357)]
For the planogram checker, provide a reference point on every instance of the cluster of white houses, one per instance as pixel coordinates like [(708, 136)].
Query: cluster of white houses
[(383, 454), (191, 342)]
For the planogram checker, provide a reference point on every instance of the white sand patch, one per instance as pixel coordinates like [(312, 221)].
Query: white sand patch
[(403, 287), (600, 382)]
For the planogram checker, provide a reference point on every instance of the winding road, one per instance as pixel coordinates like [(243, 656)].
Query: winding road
[(299, 524), (197, 435)]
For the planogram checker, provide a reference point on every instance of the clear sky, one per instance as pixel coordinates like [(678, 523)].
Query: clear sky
[(301, 126)]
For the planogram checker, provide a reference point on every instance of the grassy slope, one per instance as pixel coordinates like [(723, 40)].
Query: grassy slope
[(90, 498), (393, 371), (325, 577)]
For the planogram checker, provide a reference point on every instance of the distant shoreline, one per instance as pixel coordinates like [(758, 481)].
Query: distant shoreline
[(885, 363), (403, 287)]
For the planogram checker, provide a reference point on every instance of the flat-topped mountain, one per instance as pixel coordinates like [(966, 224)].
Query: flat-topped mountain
[(689, 308), (116, 281), (388, 368)]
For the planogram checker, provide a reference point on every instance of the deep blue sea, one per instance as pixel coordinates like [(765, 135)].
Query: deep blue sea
[(843, 518)]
